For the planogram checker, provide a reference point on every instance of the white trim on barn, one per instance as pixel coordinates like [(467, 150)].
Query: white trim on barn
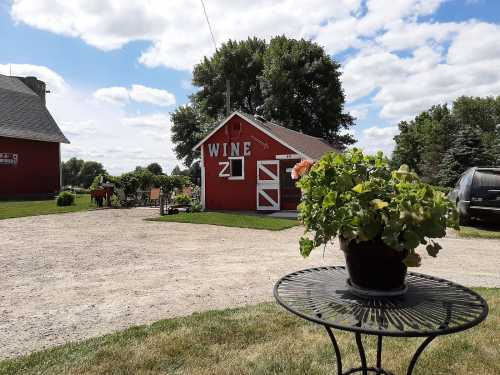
[(203, 204), (288, 156), (271, 184), (242, 177), (257, 126)]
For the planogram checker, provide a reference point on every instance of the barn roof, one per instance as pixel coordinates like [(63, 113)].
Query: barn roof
[(305, 145), (23, 114)]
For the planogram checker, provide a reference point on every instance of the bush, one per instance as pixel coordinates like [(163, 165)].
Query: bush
[(65, 199), (196, 207), (182, 199)]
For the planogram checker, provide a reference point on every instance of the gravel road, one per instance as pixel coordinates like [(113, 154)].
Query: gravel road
[(73, 276)]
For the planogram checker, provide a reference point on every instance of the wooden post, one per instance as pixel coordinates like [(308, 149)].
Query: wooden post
[(162, 201)]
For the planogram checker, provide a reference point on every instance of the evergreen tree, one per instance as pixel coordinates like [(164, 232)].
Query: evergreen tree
[(466, 151), (496, 147)]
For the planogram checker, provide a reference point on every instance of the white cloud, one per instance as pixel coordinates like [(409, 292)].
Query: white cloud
[(430, 73), (138, 93), (101, 132), (375, 139), (150, 95), (113, 95), (177, 30), (55, 83), (155, 121), (396, 60)]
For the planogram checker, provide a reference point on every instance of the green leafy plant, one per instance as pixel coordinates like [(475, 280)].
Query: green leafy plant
[(65, 198), (182, 199), (358, 197)]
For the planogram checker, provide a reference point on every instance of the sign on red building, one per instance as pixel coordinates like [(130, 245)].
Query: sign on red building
[(246, 163), (8, 158)]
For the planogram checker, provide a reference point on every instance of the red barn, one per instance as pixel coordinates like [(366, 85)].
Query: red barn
[(246, 163), (29, 140)]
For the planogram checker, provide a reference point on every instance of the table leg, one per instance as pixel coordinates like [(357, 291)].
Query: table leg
[(361, 350), (419, 351), (337, 350), (379, 355)]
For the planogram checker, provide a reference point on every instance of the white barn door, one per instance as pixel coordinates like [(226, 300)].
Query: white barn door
[(268, 185)]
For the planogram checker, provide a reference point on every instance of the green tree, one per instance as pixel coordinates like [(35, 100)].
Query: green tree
[(407, 149), (89, 170), (466, 151), (239, 62), (496, 146), (302, 89), (188, 128), (70, 171), (483, 113), (425, 141), (176, 171), (293, 82), (193, 172), (155, 169)]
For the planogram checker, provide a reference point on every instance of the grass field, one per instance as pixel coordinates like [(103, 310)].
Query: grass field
[(230, 220), (11, 209), (263, 340), (490, 231)]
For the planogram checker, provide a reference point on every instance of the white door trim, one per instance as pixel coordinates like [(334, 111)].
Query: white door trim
[(272, 184)]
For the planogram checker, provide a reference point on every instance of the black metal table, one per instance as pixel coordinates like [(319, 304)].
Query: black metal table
[(431, 307)]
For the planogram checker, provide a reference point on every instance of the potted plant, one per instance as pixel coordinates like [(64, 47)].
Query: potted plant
[(380, 216)]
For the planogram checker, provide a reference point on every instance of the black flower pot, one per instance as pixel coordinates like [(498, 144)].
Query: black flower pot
[(374, 267)]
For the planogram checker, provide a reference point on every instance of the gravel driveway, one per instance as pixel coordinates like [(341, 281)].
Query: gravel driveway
[(73, 276)]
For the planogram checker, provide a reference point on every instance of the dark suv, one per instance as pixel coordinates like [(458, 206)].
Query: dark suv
[(477, 194)]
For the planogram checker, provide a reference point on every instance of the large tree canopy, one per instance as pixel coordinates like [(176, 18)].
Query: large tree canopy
[(440, 144), (293, 82), (302, 90)]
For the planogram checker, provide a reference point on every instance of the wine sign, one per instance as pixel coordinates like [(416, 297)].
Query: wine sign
[(7, 158)]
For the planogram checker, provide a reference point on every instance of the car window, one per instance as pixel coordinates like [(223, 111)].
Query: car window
[(490, 179)]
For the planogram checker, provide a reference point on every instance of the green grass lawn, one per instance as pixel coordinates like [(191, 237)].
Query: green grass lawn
[(490, 231), (230, 220), (11, 209), (260, 339)]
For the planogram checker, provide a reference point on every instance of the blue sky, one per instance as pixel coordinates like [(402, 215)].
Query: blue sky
[(116, 71)]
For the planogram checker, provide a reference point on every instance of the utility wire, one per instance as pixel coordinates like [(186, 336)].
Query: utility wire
[(209, 26)]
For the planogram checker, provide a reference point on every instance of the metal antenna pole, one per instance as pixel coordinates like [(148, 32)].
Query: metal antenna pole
[(228, 97)]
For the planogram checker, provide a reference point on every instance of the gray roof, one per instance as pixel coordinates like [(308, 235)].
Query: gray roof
[(23, 115), (310, 146)]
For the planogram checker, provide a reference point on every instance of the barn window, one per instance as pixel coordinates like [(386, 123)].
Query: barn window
[(237, 168)]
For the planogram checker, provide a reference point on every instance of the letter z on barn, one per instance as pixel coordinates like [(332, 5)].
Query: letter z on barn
[(246, 163)]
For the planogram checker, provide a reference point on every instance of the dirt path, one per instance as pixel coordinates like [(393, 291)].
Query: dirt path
[(74, 276)]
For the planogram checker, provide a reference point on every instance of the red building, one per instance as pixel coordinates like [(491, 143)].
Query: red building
[(29, 140), (246, 163)]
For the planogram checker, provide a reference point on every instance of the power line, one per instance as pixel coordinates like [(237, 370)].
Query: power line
[(209, 26)]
